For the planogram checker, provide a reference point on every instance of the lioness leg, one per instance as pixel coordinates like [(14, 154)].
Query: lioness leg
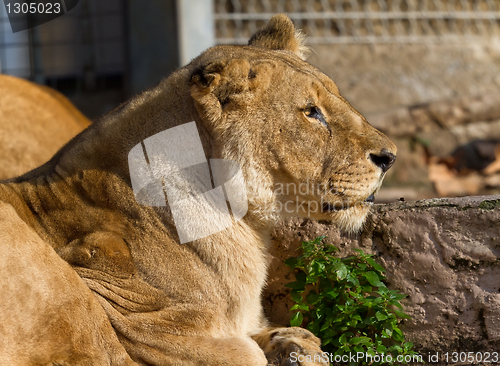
[(291, 346), (47, 313), (194, 351), (151, 341)]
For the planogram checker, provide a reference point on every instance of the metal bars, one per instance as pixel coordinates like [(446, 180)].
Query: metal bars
[(87, 40), (365, 21)]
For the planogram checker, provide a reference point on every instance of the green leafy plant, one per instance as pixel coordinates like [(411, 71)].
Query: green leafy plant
[(346, 303)]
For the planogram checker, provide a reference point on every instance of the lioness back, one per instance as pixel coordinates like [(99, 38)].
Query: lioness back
[(36, 121)]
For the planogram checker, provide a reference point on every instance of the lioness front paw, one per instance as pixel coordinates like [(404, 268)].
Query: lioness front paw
[(294, 347)]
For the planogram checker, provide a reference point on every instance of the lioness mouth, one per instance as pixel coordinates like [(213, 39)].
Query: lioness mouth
[(332, 207), (329, 207)]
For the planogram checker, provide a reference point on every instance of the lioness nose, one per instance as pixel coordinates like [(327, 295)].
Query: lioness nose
[(383, 160)]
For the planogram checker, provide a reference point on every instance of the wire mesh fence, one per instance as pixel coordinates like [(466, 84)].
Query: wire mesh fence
[(14, 49), (365, 21), (88, 40), (82, 54)]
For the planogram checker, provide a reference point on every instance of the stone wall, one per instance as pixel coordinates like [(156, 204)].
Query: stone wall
[(443, 253), (379, 77)]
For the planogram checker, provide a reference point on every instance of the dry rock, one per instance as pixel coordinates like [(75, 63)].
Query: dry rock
[(443, 114), (477, 131)]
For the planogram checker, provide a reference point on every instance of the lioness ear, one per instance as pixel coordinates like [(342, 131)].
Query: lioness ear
[(280, 34), (220, 83)]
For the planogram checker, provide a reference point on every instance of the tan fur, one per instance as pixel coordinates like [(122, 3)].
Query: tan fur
[(35, 122), (197, 303)]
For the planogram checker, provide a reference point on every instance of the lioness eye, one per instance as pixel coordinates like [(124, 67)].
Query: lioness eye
[(312, 112), (315, 112)]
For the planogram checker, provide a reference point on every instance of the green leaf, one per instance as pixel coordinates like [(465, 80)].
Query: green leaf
[(297, 285), (341, 270), (346, 348), (381, 315), (362, 266), (313, 297), (401, 314), (331, 249), (330, 333), (369, 321), (355, 340), (311, 279), (408, 346), (357, 349), (296, 320), (300, 276), (397, 335), (336, 318), (319, 313), (355, 295), (392, 317), (386, 333), (398, 296), (319, 239), (375, 265), (296, 296), (325, 284), (316, 267), (313, 327), (358, 340), (352, 279), (396, 303), (374, 279), (362, 254), (332, 294), (396, 348), (352, 323), (366, 289), (349, 260), (291, 262), (300, 307), (381, 348)]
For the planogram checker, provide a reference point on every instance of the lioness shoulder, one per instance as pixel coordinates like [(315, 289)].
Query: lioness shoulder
[(36, 121)]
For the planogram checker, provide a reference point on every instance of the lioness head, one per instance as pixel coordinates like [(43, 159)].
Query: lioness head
[(303, 149)]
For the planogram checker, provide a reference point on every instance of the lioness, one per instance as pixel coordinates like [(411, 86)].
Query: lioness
[(121, 289), (35, 122)]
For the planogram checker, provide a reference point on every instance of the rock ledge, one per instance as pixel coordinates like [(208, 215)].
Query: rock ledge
[(443, 253)]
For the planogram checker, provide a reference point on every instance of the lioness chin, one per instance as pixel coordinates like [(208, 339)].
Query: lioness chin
[(89, 276)]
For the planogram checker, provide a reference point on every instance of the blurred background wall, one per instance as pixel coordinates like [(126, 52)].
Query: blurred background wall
[(426, 72)]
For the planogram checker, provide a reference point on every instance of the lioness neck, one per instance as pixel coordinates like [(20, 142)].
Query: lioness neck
[(92, 169)]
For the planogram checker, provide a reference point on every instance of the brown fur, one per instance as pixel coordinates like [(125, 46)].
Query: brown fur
[(196, 303), (35, 121)]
